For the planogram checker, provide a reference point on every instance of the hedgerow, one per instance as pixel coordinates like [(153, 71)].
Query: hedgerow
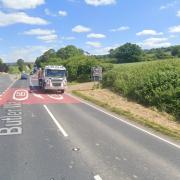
[(150, 83)]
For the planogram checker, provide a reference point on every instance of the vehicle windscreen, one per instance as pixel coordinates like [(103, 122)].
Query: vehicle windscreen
[(55, 73)]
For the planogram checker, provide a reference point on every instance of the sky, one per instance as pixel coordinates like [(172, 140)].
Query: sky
[(30, 27)]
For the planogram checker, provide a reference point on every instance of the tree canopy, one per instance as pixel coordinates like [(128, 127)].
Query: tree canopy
[(69, 51), (127, 53), (20, 63)]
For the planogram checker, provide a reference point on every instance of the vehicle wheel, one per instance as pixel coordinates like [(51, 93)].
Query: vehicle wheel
[(43, 88)]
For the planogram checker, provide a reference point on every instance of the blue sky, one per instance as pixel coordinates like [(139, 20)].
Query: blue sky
[(30, 27)]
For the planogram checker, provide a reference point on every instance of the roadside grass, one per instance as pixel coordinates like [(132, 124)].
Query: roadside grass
[(127, 114), (73, 83)]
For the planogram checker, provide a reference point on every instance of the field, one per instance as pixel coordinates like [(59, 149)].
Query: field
[(154, 84)]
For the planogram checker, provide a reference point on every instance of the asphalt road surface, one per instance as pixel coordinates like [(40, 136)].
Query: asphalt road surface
[(5, 81), (58, 137)]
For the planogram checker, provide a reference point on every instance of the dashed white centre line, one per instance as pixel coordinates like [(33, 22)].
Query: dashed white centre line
[(97, 177), (56, 122)]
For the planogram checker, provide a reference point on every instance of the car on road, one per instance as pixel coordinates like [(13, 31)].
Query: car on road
[(24, 75)]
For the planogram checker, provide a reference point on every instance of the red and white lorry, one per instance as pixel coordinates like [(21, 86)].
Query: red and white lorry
[(53, 78)]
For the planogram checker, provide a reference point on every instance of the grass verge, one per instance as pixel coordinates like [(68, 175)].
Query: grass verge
[(127, 114)]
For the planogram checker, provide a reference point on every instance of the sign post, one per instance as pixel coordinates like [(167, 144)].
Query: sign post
[(96, 74)]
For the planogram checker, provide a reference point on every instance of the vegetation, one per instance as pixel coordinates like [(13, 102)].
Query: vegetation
[(14, 70), (77, 64), (127, 53), (154, 83), (69, 51), (146, 122), (21, 65), (3, 66)]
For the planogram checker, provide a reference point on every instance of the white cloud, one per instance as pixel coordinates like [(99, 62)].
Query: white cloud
[(155, 43), (149, 32), (94, 44), (39, 32), (48, 38), (69, 38), (168, 5), (22, 4), (97, 36), (46, 35), (122, 28), (103, 50), (178, 14), (62, 13), (28, 53), (49, 13), (174, 29), (172, 36), (81, 29), (20, 17), (100, 2)]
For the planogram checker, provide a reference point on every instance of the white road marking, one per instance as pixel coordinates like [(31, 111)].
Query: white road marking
[(20, 95), (97, 177), (38, 95), (56, 122), (12, 121), (56, 97), (128, 123), (8, 87)]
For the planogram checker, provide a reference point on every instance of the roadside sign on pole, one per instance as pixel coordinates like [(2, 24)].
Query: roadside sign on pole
[(96, 73)]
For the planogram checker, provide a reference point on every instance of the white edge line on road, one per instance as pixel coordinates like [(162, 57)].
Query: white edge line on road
[(8, 87), (97, 177), (56, 122), (128, 123)]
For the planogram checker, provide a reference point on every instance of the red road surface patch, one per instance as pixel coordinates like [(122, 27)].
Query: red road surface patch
[(24, 96)]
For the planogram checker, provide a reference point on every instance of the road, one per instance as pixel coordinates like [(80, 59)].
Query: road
[(54, 137), (5, 81)]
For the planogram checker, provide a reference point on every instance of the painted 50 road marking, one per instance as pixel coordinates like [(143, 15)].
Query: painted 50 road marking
[(56, 97), (20, 95)]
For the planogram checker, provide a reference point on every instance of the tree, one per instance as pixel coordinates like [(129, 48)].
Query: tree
[(3, 66), (127, 53), (1, 61), (176, 51), (46, 57), (69, 51), (161, 54), (20, 63)]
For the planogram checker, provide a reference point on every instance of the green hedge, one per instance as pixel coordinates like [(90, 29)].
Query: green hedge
[(79, 67), (154, 83)]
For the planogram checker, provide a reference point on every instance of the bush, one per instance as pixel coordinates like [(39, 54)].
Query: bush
[(79, 67), (13, 70), (150, 83)]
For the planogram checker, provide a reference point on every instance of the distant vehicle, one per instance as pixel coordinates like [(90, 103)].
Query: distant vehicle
[(24, 75), (31, 73), (53, 78)]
